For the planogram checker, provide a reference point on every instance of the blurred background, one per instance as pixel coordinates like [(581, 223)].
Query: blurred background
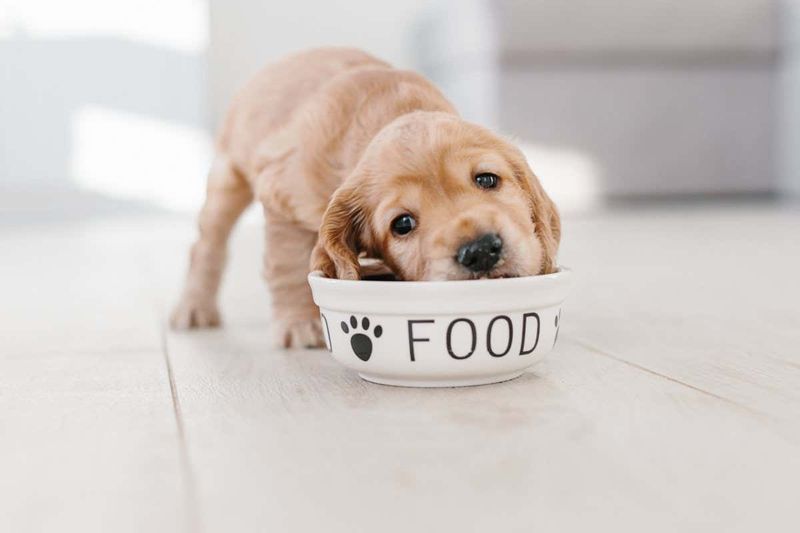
[(109, 107)]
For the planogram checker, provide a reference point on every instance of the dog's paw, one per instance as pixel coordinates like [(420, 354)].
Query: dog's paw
[(194, 313), (305, 334)]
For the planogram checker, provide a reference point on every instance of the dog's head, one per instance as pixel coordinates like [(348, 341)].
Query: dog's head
[(437, 198)]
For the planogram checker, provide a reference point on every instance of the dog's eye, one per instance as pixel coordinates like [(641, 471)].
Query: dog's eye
[(403, 224), (487, 180)]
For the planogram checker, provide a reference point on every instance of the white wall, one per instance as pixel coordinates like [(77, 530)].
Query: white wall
[(114, 102), (102, 101), (246, 34)]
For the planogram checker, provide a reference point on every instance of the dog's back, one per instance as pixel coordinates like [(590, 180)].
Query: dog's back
[(270, 99)]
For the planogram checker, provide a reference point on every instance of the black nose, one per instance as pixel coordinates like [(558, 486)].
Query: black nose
[(481, 254)]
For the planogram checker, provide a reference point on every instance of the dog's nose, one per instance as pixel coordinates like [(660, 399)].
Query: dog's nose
[(481, 254)]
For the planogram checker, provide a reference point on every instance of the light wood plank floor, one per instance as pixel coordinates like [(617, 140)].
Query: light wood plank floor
[(672, 402)]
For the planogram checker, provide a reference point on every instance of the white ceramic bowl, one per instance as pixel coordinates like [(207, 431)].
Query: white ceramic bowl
[(440, 333)]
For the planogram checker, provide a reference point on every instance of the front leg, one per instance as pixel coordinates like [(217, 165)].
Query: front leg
[(227, 196), (287, 251)]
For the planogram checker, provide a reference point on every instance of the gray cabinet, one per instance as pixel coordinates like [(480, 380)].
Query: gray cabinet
[(659, 97)]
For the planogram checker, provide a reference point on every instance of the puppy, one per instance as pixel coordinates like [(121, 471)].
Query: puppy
[(352, 158)]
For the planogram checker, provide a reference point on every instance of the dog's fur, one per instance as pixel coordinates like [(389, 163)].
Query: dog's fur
[(335, 144)]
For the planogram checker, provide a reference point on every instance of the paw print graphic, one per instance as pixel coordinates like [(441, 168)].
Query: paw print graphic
[(361, 342)]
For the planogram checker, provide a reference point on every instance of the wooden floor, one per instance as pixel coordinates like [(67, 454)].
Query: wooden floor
[(672, 402)]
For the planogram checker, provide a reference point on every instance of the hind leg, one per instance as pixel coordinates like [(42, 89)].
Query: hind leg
[(287, 252), (227, 196)]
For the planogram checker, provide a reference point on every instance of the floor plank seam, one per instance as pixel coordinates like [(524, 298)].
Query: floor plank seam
[(186, 465), (603, 353), (79, 352)]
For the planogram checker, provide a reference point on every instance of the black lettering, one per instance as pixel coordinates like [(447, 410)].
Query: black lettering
[(489, 335), (450, 331), (522, 350), (412, 339)]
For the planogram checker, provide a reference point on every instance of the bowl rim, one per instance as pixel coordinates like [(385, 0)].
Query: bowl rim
[(563, 272), (441, 297)]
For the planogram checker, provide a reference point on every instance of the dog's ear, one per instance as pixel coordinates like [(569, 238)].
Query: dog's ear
[(339, 241), (544, 213)]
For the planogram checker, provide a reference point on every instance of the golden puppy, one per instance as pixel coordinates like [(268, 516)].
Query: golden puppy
[(350, 157)]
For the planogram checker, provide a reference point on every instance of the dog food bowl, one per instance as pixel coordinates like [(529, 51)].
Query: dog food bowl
[(440, 333)]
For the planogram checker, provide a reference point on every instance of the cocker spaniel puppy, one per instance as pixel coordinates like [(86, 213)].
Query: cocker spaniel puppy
[(352, 158)]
